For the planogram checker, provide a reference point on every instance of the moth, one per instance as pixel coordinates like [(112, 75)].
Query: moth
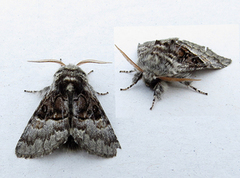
[(68, 115), (171, 60)]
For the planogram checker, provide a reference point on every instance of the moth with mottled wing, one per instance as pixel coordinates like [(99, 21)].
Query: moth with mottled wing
[(171, 60), (69, 114)]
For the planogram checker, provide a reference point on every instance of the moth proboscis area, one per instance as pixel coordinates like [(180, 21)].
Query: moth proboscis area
[(69, 114), (171, 60)]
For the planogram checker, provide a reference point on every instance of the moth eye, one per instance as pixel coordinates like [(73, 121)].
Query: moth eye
[(96, 112)]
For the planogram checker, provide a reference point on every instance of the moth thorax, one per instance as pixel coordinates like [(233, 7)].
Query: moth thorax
[(70, 87), (152, 83)]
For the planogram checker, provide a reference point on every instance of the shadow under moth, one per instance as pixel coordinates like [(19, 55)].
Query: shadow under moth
[(171, 60), (68, 115)]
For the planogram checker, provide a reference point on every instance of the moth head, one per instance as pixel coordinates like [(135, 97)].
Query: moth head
[(74, 69), (150, 78), (70, 73)]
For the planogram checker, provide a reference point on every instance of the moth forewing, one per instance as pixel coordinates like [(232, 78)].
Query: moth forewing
[(172, 60), (69, 114)]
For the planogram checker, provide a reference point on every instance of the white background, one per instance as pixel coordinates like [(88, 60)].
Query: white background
[(185, 135)]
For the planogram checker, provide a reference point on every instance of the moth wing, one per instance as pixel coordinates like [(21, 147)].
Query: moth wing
[(183, 56), (91, 129), (47, 129), (196, 57)]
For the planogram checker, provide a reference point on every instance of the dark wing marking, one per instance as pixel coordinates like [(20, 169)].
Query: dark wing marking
[(47, 129), (184, 55), (200, 57), (91, 129)]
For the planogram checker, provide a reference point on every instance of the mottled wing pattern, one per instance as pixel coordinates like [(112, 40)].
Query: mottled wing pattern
[(184, 55), (91, 129), (200, 56), (47, 129)]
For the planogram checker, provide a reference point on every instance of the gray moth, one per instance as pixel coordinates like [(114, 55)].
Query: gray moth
[(69, 115), (171, 60)]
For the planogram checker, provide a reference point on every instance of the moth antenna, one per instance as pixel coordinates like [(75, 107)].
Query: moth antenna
[(91, 61), (50, 60), (173, 79), (129, 60)]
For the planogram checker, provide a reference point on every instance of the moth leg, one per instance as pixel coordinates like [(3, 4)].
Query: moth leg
[(90, 72), (41, 92), (199, 91), (136, 78), (194, 88), (158, 90), (96, 91), (154, 99), (102, 93), (28, 91), (127, 71)]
